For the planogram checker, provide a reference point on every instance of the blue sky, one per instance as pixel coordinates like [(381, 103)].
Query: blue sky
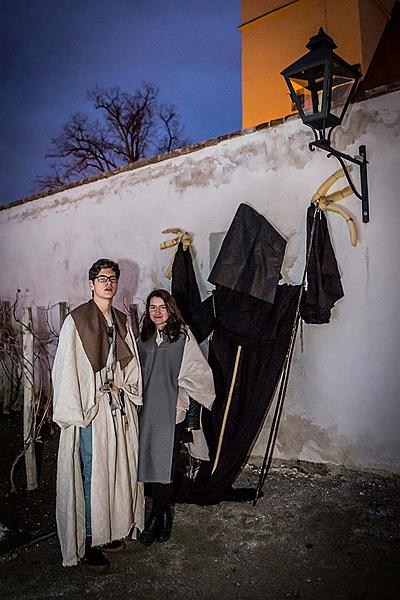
[(53, 51)]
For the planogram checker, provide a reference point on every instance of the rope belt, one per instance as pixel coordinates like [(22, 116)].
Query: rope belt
[(116, 398)]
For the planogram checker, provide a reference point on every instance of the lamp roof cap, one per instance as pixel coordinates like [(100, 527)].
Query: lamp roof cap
[(321, 40)]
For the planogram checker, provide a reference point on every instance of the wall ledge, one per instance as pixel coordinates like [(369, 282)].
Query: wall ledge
[(145, 162)]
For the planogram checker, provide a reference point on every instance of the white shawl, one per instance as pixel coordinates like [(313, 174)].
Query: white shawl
[(195, 380)]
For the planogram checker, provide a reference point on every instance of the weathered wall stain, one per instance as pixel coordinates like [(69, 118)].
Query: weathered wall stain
[(325, 442), (291, 150), (299, 436), (359, 120), (40, 208), (270, 152)]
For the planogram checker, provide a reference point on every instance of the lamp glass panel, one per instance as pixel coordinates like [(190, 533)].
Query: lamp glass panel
[(342, 84), (309, 86)]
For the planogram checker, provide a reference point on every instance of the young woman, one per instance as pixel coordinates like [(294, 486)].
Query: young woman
[(174, 370)]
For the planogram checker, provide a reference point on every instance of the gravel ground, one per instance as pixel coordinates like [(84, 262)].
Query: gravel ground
[(312, 536), (317, 534)]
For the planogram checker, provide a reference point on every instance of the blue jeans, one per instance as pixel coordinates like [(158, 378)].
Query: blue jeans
[(85, 450)]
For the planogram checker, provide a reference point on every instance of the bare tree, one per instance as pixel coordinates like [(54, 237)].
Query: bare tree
[(171, 134), (132, 127)]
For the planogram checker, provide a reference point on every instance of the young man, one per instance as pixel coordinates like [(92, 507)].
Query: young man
[(97, 389)]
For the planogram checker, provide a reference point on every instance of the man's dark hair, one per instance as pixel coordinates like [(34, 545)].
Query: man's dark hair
[(175, 324), (103, 263)]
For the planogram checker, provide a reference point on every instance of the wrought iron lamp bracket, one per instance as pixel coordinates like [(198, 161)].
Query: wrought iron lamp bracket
[(362, 163)]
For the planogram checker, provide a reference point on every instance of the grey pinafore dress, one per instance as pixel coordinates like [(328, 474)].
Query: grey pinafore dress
[(160, 367)]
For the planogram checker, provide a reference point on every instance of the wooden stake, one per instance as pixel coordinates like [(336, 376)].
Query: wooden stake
[(227, 407), (28, 378)]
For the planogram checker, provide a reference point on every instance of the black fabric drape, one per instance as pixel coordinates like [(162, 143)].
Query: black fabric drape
[(250, 257), (184, 284), (263, 329), (323, 278), (264, 333), (249, 309)]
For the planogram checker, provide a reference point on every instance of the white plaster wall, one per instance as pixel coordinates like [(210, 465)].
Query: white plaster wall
[(343, 400)]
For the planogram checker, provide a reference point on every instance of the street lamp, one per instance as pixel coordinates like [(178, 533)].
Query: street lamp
[(321, 86)]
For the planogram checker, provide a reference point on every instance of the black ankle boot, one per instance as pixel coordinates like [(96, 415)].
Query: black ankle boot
[(150, 531), (166, 525)]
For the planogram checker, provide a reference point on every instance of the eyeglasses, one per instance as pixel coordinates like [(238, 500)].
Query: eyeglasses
[(104, 278)]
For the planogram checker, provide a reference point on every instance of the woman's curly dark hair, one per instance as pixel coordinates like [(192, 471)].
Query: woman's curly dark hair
[(175, 324)]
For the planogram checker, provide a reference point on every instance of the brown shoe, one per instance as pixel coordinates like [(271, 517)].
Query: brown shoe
[(114, 547), (94, 560)]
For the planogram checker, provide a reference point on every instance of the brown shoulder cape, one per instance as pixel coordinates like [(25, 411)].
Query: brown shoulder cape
[(92, 329)]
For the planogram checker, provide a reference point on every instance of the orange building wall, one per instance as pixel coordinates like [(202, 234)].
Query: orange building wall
[(274, 34)]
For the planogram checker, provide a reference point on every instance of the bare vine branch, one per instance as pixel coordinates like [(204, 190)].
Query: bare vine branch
[(15, 364)]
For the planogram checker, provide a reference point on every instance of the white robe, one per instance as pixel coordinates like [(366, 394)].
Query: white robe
[(117, 500)]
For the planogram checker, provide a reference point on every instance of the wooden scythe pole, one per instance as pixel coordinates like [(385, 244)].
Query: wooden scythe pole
[(227, 407)]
